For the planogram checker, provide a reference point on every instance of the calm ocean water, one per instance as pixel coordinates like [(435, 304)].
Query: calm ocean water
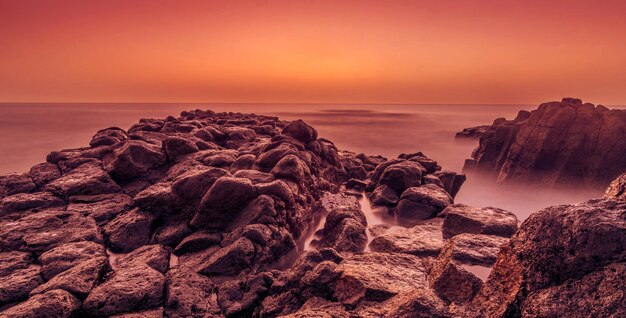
[(28, 132)]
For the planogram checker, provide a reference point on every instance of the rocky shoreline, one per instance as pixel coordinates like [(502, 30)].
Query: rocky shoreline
[(242, 215)]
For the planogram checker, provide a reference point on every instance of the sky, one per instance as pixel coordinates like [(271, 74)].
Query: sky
[(425, 52)]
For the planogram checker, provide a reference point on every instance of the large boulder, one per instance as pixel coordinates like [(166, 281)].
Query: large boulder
[(558, 252), (222, 203), (402, 175), (129, 231), (128, 289), (44, 173), (299, 130), (461, 218), (132, 158), (101, 208), (617, 189), (86, 179), (421, 203), (421, 240), (16, 285), (107, 137), (66, 256), (15, 183), (30, 201), (55, 303), (229, 260), (78, 280), (188, 294)]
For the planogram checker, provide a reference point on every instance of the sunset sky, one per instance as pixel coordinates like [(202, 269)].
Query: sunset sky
[(436, 51)]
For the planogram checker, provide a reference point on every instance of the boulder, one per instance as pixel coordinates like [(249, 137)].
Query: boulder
[(14, 260), (78, 280), (101, 208), (188, 294), (229, 260), (86, 179), (556, 252), (290, 167), (617, 189), (197, 241), (155, 256), (30, 201), (221, 204), (66, 256), (108, 137), (55, 303), (15, 183), (461, 218), (195, 183), (402, 175), (47, 229), (421, 203), (474, 249), (421, 240), (132, 158), (129, 231), (378, 276), (299, 130), (19, 283), (175, 147), (130, 288), (43, 173)]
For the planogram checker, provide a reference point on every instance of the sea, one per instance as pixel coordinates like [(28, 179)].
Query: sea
[(29, 131)]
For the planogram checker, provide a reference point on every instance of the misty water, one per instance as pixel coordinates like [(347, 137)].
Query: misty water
[(28, 132)]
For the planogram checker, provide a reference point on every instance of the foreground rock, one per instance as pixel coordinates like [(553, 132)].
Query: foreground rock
[(563, 258), (565, 143)]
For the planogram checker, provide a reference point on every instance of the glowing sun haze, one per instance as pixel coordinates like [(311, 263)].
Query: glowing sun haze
[(312, 51)]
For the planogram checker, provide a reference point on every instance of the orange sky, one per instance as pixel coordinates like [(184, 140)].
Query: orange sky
[(474, 51)]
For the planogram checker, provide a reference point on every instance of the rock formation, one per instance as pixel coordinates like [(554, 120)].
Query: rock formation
[(567, 143), (212, 215)]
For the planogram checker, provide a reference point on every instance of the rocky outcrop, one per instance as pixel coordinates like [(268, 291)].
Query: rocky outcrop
[(565, 143), (564, 258), (230, 195), (617, 189)]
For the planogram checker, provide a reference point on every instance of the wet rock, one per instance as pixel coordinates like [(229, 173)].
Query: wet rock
[(155, 256), (461, 218), (130, 288), (188, 294), (344, 230), (55, 303), (15, 183), (28, 201), (86, 179), (556, 251), (132, 158), (421, 240), (66, 256), (301, 131), (129, 231), (223, 201), (108, 137), (101, 208), (78, 280), (378, 276), (19, 283), (230, 260), (420, 203), (44, 173)]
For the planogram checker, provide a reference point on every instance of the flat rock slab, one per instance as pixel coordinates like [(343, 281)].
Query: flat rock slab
[(461, 218)]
